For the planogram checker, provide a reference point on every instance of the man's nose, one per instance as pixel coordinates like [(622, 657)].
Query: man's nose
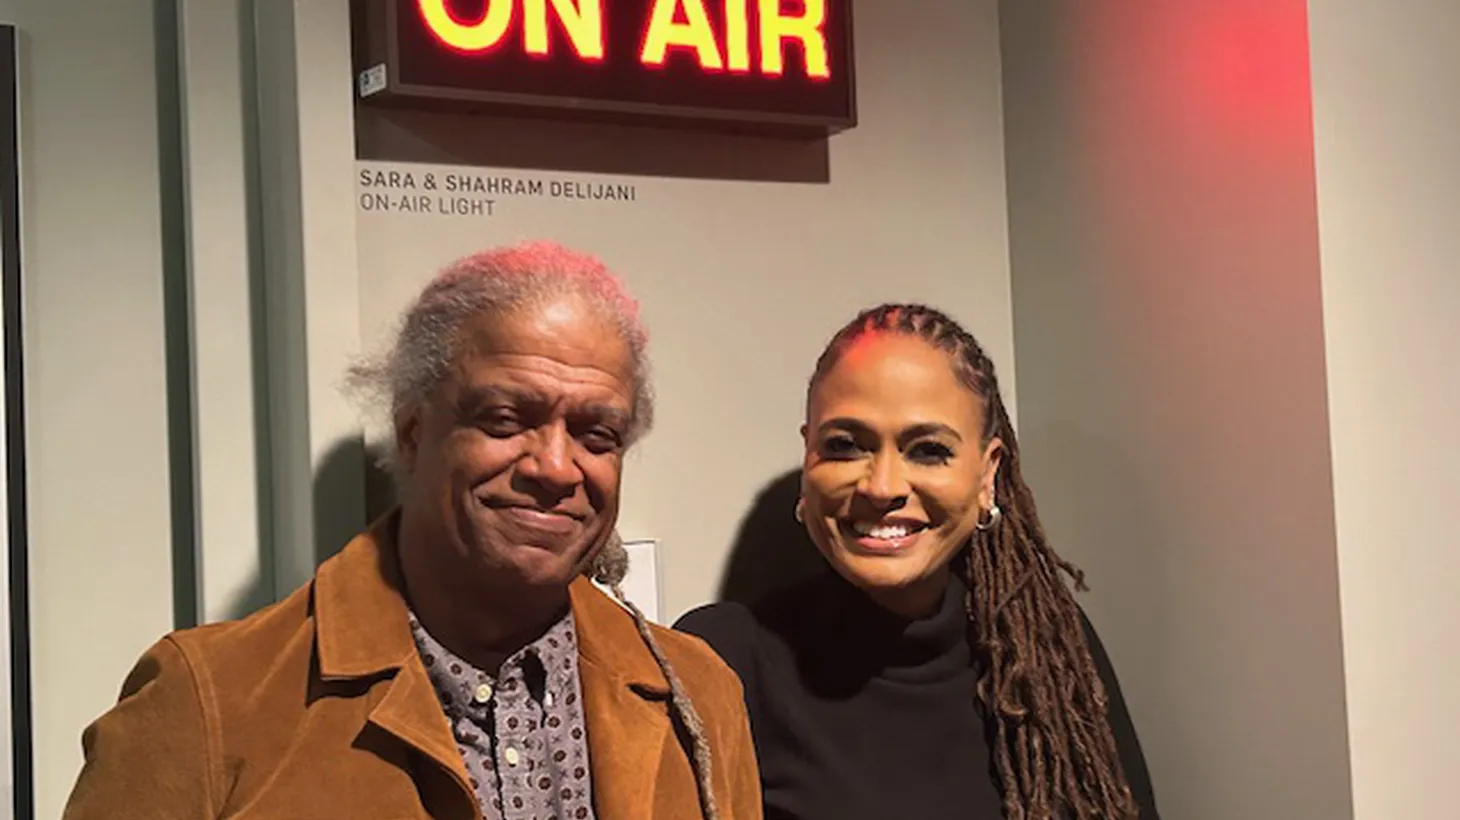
[(549, 462)]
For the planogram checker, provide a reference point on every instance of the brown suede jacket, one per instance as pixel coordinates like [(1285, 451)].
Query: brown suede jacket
[(319, 707)]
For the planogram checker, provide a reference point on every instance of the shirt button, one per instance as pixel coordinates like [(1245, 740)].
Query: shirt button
[(512, 756), (483, 693), (547, 700)]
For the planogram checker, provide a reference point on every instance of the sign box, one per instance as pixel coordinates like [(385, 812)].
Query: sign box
[(780, 67)]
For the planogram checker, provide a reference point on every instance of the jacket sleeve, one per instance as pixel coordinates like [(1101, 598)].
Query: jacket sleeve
[(150, 756)]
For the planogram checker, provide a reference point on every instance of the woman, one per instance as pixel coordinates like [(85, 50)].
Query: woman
[(944, 669)]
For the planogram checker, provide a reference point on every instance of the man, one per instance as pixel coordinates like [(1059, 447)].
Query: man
[(454, 661)]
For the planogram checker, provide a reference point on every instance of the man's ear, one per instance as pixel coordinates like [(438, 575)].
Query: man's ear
[(803, 433), (407, 438)]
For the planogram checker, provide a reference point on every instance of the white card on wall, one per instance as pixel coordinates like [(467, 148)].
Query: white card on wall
[(641, 583)]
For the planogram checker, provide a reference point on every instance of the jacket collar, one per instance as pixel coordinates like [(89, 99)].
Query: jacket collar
[(361, 624), (363, 630), (609, 640)]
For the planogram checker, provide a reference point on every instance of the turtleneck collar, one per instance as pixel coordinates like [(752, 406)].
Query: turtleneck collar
[(861, 639)]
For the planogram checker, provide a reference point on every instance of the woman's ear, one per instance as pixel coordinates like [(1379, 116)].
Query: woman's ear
[(993, 457)]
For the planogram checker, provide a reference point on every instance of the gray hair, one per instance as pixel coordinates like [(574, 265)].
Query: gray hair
[(497, 282)]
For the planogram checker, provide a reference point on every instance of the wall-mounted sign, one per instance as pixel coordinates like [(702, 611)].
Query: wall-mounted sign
[(762, 65)]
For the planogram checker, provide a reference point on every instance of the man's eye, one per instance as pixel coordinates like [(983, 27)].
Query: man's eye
[(603, 440), (500, 423), (930, 452), (839, 447)]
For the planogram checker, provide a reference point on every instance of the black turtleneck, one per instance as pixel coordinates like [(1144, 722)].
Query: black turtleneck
[(857, 713)]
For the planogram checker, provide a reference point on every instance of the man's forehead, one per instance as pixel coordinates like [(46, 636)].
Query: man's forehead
[(593, 393)]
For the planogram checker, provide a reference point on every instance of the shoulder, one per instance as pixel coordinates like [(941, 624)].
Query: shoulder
[(771, 631), (234, 647), (731, 629), (1122, 725), (1098, 654), (182, 703), (226, 664)]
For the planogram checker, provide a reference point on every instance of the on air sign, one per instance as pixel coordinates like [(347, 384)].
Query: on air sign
[(765, 65)]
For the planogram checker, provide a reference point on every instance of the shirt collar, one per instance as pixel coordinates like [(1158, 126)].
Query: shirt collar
[(546, 667)]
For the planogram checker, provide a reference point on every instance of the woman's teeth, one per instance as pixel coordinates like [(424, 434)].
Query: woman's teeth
[(886, 532)]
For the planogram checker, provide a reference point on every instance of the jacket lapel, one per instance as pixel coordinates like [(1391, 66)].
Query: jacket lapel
[(625, 705), (362, 633)]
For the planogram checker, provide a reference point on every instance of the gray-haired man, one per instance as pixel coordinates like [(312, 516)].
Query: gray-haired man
[(454, 660)]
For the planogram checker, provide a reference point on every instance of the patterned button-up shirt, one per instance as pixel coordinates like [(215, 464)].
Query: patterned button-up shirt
[(521, 731)]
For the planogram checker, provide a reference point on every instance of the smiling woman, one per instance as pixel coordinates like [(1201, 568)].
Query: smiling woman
[(892, 489), (943, 670)]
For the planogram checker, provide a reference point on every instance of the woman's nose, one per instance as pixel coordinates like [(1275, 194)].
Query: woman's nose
[(884, 484)]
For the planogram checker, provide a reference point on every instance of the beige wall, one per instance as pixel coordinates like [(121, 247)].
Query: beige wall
[(743, 282), (1169, 329), (100, 574), (1187, 440), (1387, 114)]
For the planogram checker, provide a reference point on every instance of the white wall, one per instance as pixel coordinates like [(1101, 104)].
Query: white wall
[(1387, 114), (100, 573), (1169, 330), (743, 282), (224, 237)]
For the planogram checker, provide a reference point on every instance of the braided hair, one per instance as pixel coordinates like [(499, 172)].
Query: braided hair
[(1053, 747), (609, 568)]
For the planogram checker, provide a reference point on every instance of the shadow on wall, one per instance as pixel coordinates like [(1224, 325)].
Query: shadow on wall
[(336, 520), (771, 550), (339, 474), (336, 484)]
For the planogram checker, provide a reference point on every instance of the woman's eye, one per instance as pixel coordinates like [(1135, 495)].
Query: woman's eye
[(930, 452), (838, 447)]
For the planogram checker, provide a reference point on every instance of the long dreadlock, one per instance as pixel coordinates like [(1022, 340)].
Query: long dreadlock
[(1054, 750), (609, 568)]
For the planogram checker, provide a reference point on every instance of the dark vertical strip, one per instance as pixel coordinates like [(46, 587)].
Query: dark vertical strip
[(258, 297), (15, 487), (177, 316)]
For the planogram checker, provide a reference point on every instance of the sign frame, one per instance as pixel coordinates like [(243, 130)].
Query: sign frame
[(377, 60)]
